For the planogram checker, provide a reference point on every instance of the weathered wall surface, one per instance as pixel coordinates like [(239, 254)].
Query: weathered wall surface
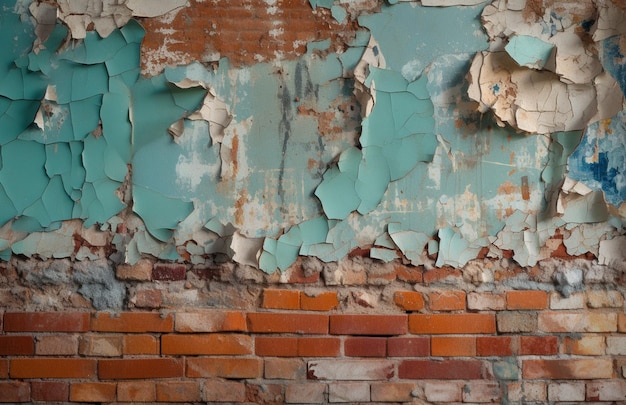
[(312, 201)]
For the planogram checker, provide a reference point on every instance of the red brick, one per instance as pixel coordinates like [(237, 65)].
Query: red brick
[(495, 346), (169, 271), (178, 391), (409, 274), (210, 321), (101, 345), (14, 391), (392, 391), (441, 370), (4, 368), (539, 345), (409, 300), (319, 347), (57, 345), (50, 391), (276, 346), (280, 299), (447, 300), (452, 323), (92, 392), (310, 393), (365, 347), (287, 323), (297, 275), (126, 369), (134, 322), (136, 391), (285, 369), (16, 345), (53, 368), (140, 344), (380, 325), (223, 391), (573, 369), (440, 273), (215, 343), (148, 299), (224, 367), (453, 346), (140, 271), (321, 302), (528, 299), (46, 322), (408, 346)]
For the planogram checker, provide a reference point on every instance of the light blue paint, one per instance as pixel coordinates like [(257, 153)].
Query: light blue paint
[(529, 51)]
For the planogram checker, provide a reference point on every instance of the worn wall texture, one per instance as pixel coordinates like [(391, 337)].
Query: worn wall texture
[(301, 201)]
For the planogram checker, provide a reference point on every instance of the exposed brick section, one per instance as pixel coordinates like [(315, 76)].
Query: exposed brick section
[(224, 367), (392, 392), (452, 323), (101, 345), (93, 392), (287, 323), (441, 273), (140, 344), (52, 368), (137, 322), (56, 345), (574, 369), (46, 322), (408, 346), (481, 392), (409, 274), (351, 370), (443, 392), (14, 391), (515, 322), (280, 299), (16, 345), (368, 324), (321, 302), (4, 368), (311, 393), (136, 391), (140, 271), (210, 321), (486, 301), (351, 392), (453, 346), (223, 391), (148, 299), (441, 370), (126, 369), (539, 345), (169, 272), (495, 346), (606, 391), (365, 347), (319, 346), (447, 300), (409, 300), (276, 346), (593, 345), (577, 322), (50, 391), (213, 344), (285, 369), (526, 299)]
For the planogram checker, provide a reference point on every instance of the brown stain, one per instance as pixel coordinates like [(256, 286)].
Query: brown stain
[(233, 154), (525, 189), (239, 205), (240, 31), (508, 188)]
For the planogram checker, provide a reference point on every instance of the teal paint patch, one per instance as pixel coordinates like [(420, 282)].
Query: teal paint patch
[(529, 51)]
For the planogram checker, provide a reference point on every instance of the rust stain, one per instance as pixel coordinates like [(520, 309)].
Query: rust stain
[(508, 188), (233, 154), (239, 205), (525, 189), (244, 31)]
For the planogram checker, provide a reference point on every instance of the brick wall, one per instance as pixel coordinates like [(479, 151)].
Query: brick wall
[(384, 334)]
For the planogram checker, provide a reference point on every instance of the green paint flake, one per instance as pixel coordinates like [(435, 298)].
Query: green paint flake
[(161, 214), (529, 51)]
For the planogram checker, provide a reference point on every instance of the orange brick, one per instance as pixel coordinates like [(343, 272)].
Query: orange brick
[(92, 392), (210, 321), (447, 300), (224, 367), (452, 323), (439, 273), (593, 345), (528, 299), (16, 345), (52, 368), (140, 344), (46, 322), (380, 325), (223, 391), (621, 322), (137, 322), (287, 323), (276, 346), (126, 369), (409, 300), (100, 345), (178, 391), (215, 343), (319, 347), (409, 274), (285, 368), (453, 346), (322, 302), (50, 391), (136, 391), (280, 299)]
